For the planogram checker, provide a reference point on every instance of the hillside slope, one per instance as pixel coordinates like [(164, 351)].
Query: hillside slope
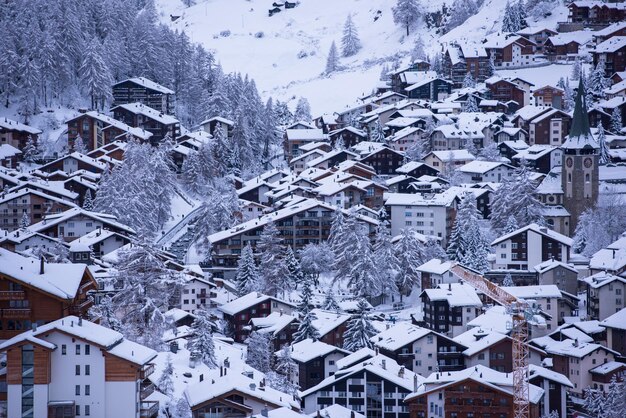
[(310, 28)]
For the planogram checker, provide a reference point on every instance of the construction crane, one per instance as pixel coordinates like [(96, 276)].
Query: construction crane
[(521, 312)]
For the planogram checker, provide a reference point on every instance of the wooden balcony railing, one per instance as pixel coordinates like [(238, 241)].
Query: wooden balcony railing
[(146, 371), (12, 295), (149, 409), (23, 313)]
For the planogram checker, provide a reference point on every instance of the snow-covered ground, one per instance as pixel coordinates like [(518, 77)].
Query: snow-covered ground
[(311, 27)]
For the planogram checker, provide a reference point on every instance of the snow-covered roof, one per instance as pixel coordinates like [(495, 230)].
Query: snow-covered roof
[(612, 44), (452, 155), (112, 341), (353, 358), (8, 151), (352, 129), (552, 264), (399, 335), (498, 40), (530, 111), (617, 320), (410, 166), (482, 167), (306, 135), (307, 350), (477, 340), (547, 232), (616, 88), (435, 266), (455, 132), (310, 146), (581, 37), (246, 301), (273, 323), (608, 367), (330, 155), (59, 280), (551, 183), (326, 321), (602, 279), (534, 371), (12, 125), (110, 122), (567, 347), (142, 109), (417, 80), (494, 318), (149, 84), (55, 218), (532, 292), (533, 30), (336, 411), (456, 294)]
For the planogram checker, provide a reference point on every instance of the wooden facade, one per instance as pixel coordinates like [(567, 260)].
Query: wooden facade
[(136, 90)]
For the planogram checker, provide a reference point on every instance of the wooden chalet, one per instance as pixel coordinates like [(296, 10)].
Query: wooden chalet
[(596, 13), (143, 90), (549, 96), (148, 119), (613, 53), (16, 134), (35, 203)]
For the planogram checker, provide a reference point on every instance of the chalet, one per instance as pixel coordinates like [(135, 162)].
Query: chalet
[(419, 349), (74, 162), (509, 139), (575, 359), (138, 115), (616, 104), (355, 168), (225, 125), (404, 139), (326, 123), (427, 86), (251, 210), (610, 259), (240, 311), (529, 246), (24, 239), (16, 134), (564, 276), (595, 13), (197, 293), (617, 89), (279, 326), (607, 288), (302, 223), (295, 138), (435, 272), (76, 222), (549, 128), (187, 144), (462, 58), (97, 129), (549, 96), (372, 386), (108, 152), (485, 171), (332, 159), (538, 35), (448, 308), (486, 105), (387, 98), (567, 46), (101, 242), (541, 158), (476, 391), (400, 183), (417, 169), (89, 356), (255, 190), (452, 137), (35, 203), (37, 292), (346, 116), (236, 395), (505, 90), (509, 50), (9, 155), (549, 299), (439, 159), (399, 76), (384, 159), (349, 135), (331, 326), (316, 361), (555, 387), (615, 29), (616, 332), (613, 53), (144, 91)]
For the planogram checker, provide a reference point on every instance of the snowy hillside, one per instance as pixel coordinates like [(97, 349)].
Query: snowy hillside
[(310, 28)]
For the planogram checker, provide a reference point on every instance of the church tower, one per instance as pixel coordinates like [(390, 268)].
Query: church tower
[(581, 156)]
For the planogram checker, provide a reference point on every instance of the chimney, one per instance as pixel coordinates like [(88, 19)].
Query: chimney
[(401, 371), (252, 386), (42, 263), (415, 382), (34, 326), (383, 364), (221, 371), (80, 322), (449, 287)]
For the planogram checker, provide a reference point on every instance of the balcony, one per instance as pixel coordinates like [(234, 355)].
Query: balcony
[(12, 295), (149, 409), (16, 313), (146, 371), (146, 390)]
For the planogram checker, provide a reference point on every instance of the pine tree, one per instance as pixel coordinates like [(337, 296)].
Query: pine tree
[(616, 121), (247, 278), (576, 69), (410, 256), (432, 249), (272, 269), (511, 19), (407, 13), (377, 133), (330, 304), (316, 259), (568, 97), (332, 62), (467, 243), (79, 145), (88, 200), (489, 153), (182, 409), (260, 356), (508, 280), (296, 276), (201, 345), (418, 52), (470, 105), (303, 111), (385, 260), (469, 81), (604, 148), (165, 383), (460, 11), (284, 371), (95, 75), (306, 329), (30, 150), (25, 221), (359, 330), (363, 277), (597, 81), (491, 69), (350, 43)]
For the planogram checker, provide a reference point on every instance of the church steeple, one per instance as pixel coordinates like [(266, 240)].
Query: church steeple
[(580, 133)]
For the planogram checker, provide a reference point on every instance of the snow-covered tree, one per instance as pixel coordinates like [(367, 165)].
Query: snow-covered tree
[(460, 11), (88, 200), (469, 81), (568, 97), (25, 221), (296, 276), (272, 268), (616, 121), (350, 42), (609, 404), (468, 244), (306, 329), (432, 249), (247, 278), (418, 52), (576, 69), (29, 153), (330, 304), (604, 148), (491, 69), (596, 81), (385, 259), (511, 225), (79, 145), (599, 226), (470, 105), (303, 111), (260, 356), (490, 153), (332, 62), (340, 144), (416, 151), (182, 409), (407, 13), (201, 345), (148, 287), (316, 259), (359, 329), (95, 75), (410, 254), (508, 280), (377, 134), (363, 277), (285, 369), (166, 382), (511, 21)]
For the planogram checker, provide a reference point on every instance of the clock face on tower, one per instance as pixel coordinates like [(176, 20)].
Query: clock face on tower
[(569, 162), (588, 163)]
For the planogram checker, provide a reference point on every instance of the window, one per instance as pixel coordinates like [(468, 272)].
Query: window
[(77, 370), (481, 356), (87, 348), (87, 410), (77, 410), (87, 390), (78, 349), (418, 362), (429, 339), (63, 349), (77, 390), (87, 369)]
